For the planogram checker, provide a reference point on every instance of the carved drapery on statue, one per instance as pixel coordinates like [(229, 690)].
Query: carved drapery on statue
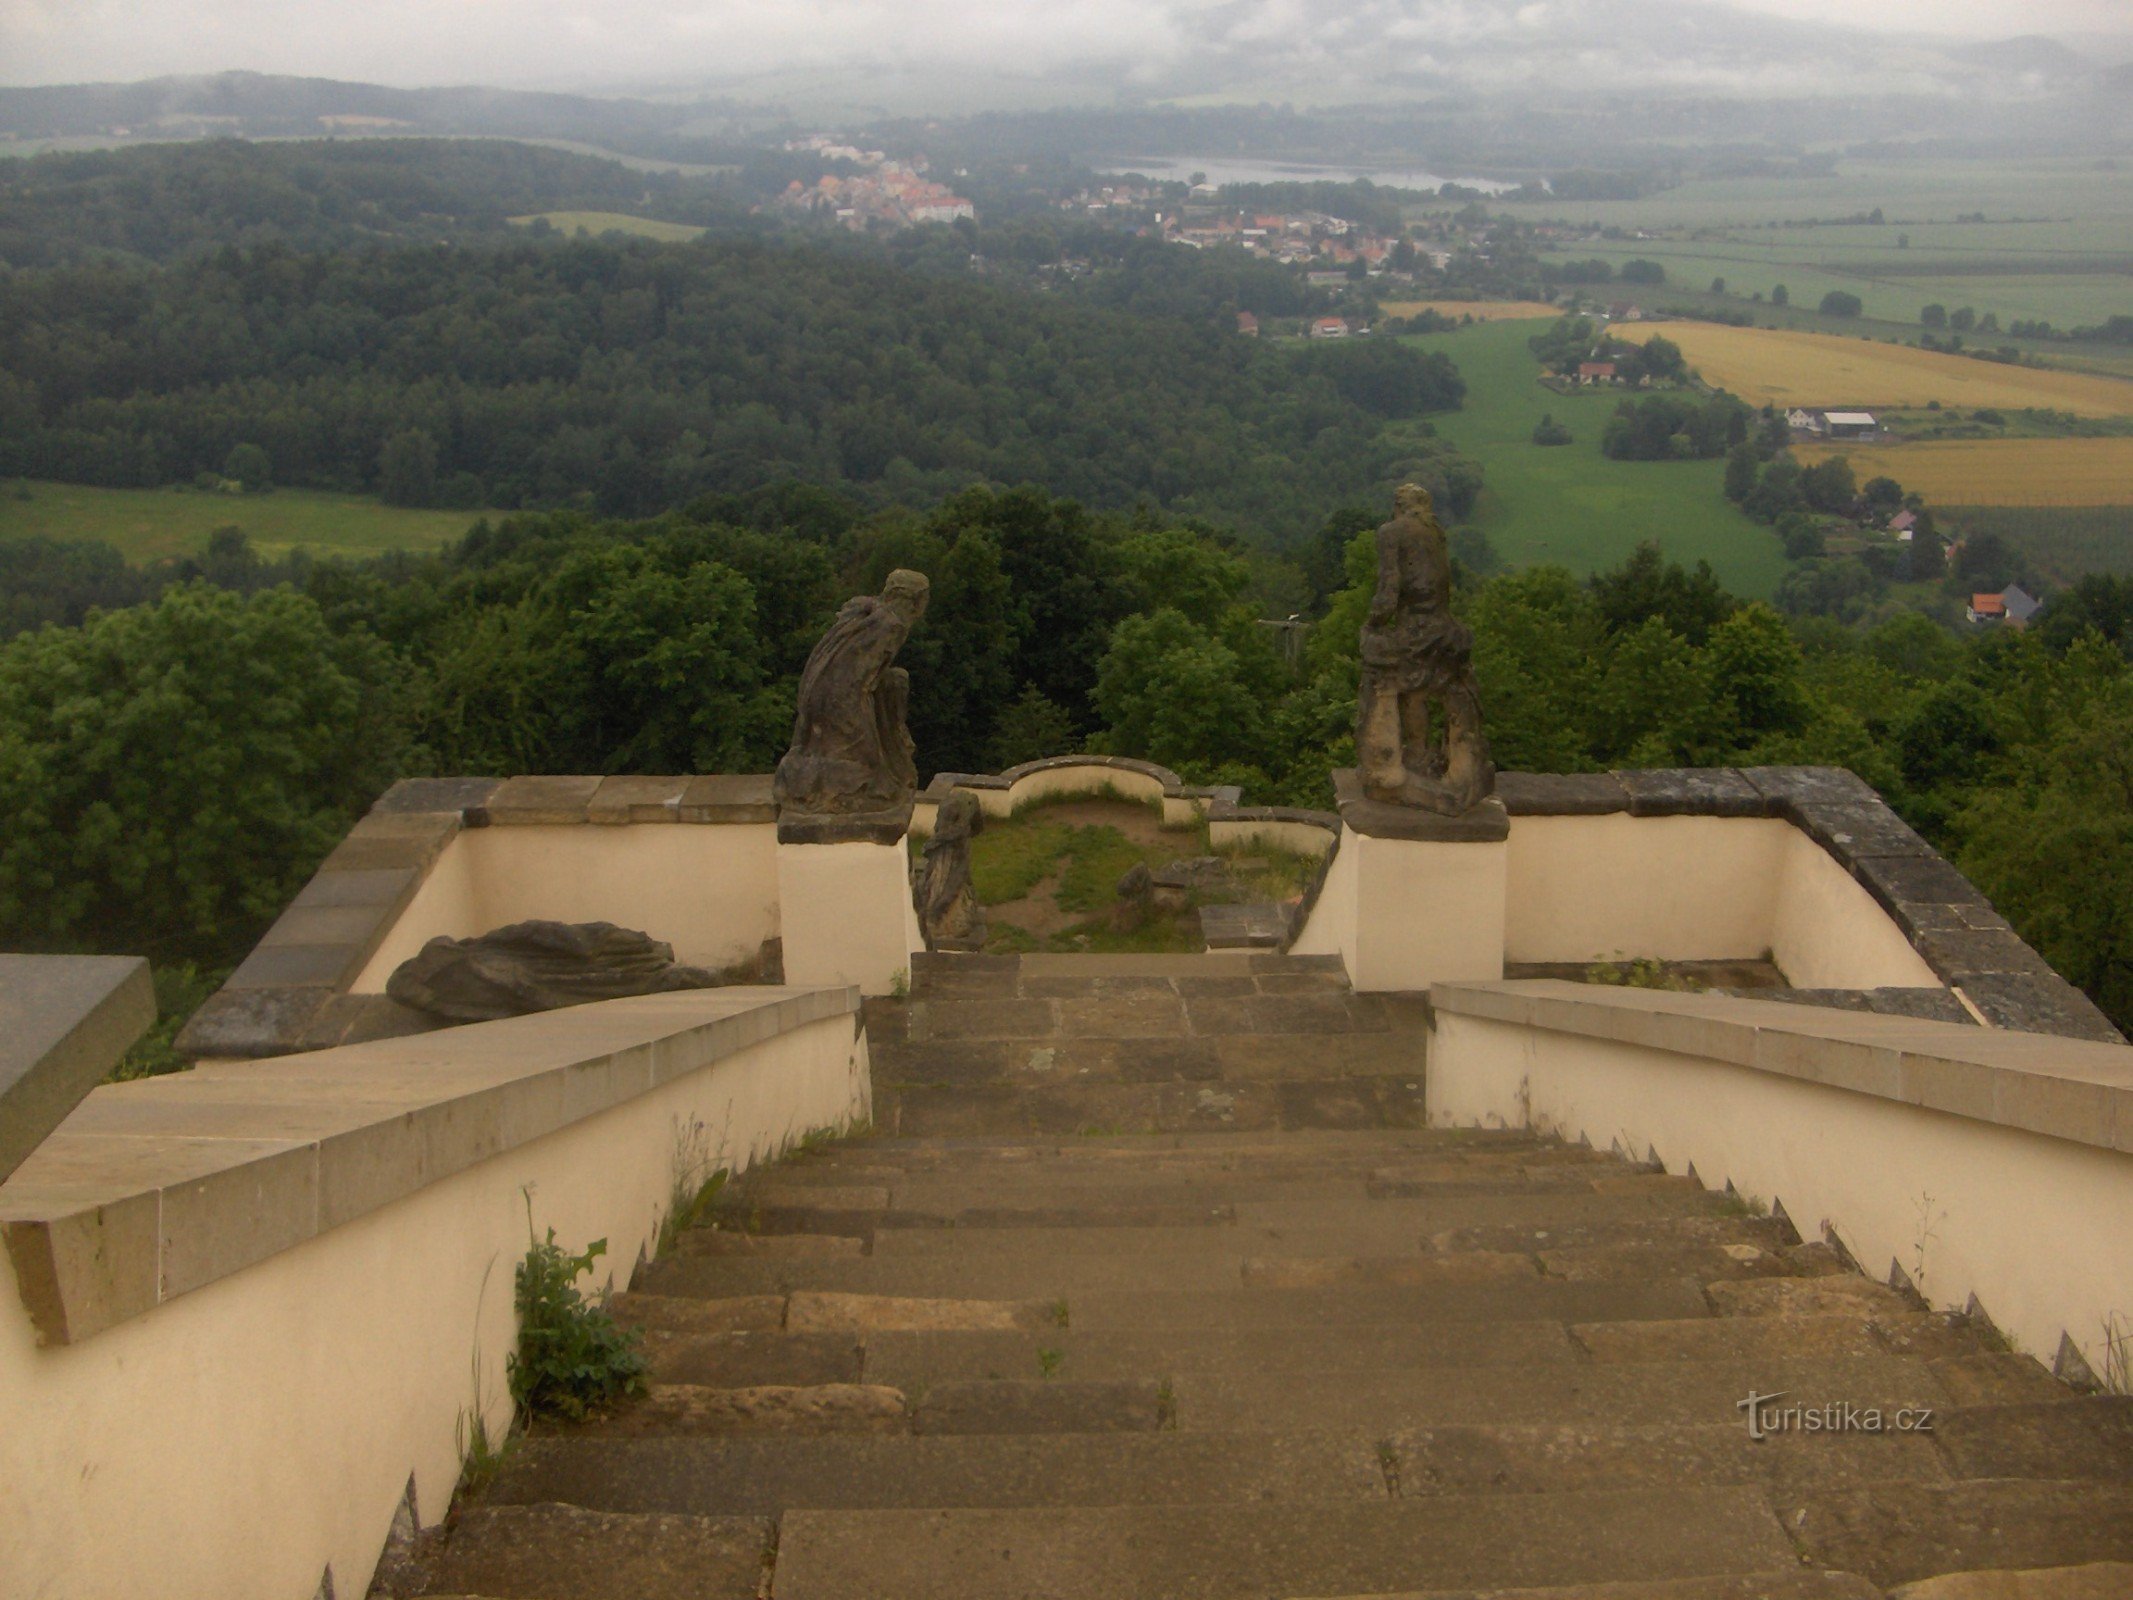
[(539, 966), (949, 914), (1416, 653), (850, 772)]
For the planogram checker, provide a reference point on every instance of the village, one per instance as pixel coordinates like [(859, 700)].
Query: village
[(885, 193)]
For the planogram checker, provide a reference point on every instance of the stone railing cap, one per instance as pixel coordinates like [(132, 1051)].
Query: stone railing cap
[(153, 1188), (64, 1023), (2074, 1089)]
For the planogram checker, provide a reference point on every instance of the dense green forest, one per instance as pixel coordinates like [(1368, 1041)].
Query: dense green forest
[(628, 376), (280, 700)]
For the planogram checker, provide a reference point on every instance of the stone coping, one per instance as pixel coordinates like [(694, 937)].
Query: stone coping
[(291, 994), (1950, 924), (64, 1023), (1215, 802), (2065, 1088), (1485, 822), (159, 1186)]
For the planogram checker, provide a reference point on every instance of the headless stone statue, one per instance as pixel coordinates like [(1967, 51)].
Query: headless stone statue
[(949, 914), (850, 772), (1416, 653)]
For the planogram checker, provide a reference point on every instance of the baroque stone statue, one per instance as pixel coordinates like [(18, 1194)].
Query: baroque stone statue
[(850, 772), (1416, 652), (949, 914), (539, 966)]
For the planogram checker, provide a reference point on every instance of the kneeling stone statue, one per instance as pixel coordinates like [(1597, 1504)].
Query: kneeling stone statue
[(851, 771), (1416, 652)]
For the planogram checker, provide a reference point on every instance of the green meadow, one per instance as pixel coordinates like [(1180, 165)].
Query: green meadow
[(1568, 503), (150, 524)]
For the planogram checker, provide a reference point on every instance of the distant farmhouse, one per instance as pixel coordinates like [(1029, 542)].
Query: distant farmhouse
[(1329, 328), (1856, 427), (1596, 372), (2013, 606)]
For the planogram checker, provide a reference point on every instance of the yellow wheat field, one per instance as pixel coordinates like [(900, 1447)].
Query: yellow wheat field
[(1776, 366), (1998, 472), (1479, 310)]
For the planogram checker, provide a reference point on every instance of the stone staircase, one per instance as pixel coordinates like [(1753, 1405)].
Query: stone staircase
[(1153, 1284)]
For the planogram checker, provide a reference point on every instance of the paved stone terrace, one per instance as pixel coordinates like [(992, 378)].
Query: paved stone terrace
[(1153, 1285)]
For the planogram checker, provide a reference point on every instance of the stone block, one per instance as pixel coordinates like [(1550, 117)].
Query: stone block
[(541, 801), (627, 799), (387, 887), (1958, 957), (1789, 788), (2029, 1003), (249, 1023), (1854, 833), (1561, 794), (82, 1265), (437, 794), (1242, 927), (64, 1023), (1691, 792), (728, 797), (283, 966), (248, 1210), (1485, 823)]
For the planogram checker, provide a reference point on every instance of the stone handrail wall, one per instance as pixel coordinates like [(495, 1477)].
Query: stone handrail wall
[(300, 990), (1990, 1170), (247, 1313), (64, 1023)]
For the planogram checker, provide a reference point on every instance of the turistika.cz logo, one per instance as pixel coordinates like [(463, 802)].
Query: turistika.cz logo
[(1767, 1417)]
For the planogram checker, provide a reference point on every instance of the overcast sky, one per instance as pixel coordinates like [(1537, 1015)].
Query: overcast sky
[(583, 42)]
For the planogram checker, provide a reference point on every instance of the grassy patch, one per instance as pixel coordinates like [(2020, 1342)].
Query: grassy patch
[(1570, 504), (1011, 858), (146, 525)]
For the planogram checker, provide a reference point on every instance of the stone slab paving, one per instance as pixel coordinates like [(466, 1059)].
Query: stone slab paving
[(1154, 1284)]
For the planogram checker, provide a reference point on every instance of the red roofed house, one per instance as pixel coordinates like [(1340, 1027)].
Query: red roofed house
[(1247, 324), (1329, 328), (1596, 372)]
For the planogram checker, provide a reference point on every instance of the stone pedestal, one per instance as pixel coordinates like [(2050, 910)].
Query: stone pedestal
[(845, 914), (1413, 898)]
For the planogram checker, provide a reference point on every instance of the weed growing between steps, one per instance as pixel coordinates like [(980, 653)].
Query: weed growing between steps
[(572, 1360)]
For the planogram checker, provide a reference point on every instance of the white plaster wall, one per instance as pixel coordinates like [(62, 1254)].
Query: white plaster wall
[(1674, 888), (1403, 914), (2039, 1229), (1828, 933), (1330, 929), (708, 889), (236, 1440), (847, 915)]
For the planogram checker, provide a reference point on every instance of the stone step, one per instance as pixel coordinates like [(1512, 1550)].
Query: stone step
[(1688, 1392), (1155, 1157), (1153, 1014), (1192, 1310), (2092, 1580), (566, 1552), (1235, 1355), (1300, 1104), (1783, 1585), (769, 1476), (1235, 1552), (1554, 1457), (2082, 1437), (1396, 1143), (1047, 1059), (1771, 1338), (1899, 1533), (981, 1406)]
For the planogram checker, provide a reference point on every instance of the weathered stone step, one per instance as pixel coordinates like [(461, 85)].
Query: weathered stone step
[(1772, 1338), (1785, 1585), (909, 1360), (565, 1552), (1159, 1057), (1705, 1225), (1396, 1142), (1249, 1552), (1548, 1458), (1300, 1104), (1154, 1013), (1899, 1533), (768, 1476), (1192, 1310), (985, 1406), (2092, 1580), (2084, 1437), (1676, 1392)]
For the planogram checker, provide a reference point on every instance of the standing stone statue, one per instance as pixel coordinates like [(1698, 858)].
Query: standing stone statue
[(949, 914), (1415, 652), (850, 772)]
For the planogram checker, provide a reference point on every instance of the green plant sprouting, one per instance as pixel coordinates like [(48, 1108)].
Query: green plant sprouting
[(572, 1360)]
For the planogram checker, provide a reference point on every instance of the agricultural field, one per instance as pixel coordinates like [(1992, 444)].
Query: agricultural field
[(1570, 504), (598, 222), (1998, 472), (2058, 545), (146, 525), (1787, 368), (1479, 310)]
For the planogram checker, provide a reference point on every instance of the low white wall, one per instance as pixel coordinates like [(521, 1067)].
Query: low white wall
[(1600, 888), (1297, 838), (2039, 1228), (848, 915), (239, 1439), (709, 890)]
